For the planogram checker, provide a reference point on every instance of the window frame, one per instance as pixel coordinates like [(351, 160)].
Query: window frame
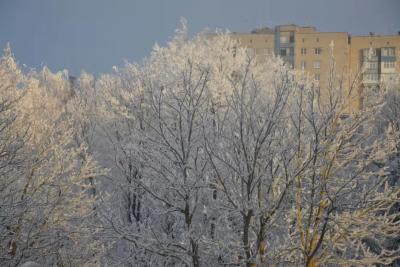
[(303, 64)]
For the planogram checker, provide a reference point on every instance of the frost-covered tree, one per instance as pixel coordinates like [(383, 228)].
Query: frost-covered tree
[(80, 104), (241, 161), (389, 118), (12, 143), (249, 153), (124, 207), (44, 203), (213, 157), (341, 198), (388, 124), (163, 108)]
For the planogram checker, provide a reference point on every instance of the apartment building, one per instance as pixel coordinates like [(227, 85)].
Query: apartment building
[(376, 59), (361, 62)]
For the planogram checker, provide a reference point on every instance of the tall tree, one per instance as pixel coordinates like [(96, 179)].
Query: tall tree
[(44, 200)]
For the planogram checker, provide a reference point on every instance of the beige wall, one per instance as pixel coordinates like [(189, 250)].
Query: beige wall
[(322, 41), (346, 53), (259, 43)]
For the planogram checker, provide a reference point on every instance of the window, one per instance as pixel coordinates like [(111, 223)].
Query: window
[(292, 37), (370, 77), (371, 65), (388, 64), (286, 52), (267, 51), (317, 76), (388, 51), (317, 64), (303, 64), (251, 52), (317, 40), (317, 51), (284, 39), (369, 52), (304, 51), (302, 40)]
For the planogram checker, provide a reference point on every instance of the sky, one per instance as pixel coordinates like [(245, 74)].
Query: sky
[(94, 35)]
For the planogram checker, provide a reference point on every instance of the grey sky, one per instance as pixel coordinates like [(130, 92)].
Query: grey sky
[(95, 34)]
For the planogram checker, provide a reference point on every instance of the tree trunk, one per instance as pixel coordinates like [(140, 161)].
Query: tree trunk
[(246, 245)]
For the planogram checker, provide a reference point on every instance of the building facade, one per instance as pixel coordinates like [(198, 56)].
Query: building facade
[(361, 62)]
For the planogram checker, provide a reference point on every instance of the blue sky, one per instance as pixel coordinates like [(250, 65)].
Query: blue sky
[(94, 35)]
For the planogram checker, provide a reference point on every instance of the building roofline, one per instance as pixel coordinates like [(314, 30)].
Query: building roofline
[(321, 32), (266, 30), (376, 35), (251, 33)]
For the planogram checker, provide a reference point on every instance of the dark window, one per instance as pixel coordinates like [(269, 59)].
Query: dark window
[(291, 37), (283, 52)]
